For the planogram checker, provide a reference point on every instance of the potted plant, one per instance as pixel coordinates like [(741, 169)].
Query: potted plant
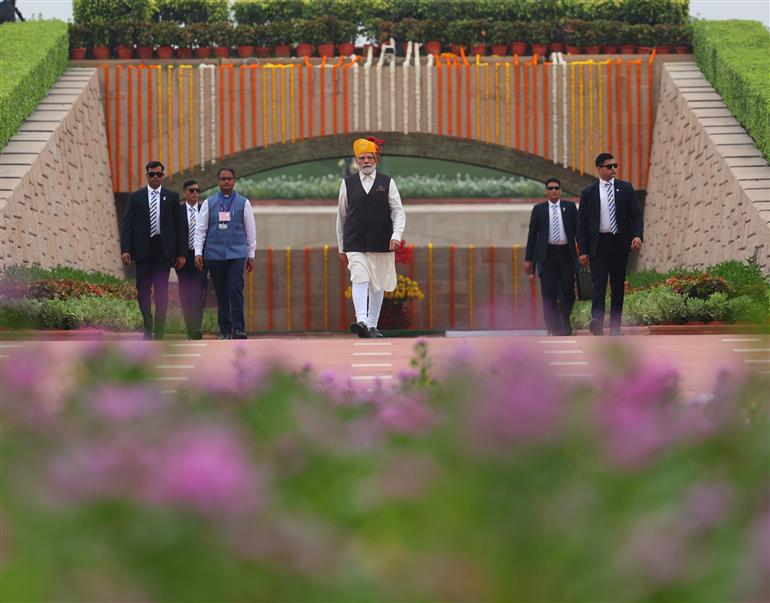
[(243, 37), (123, 39), (79, 41), (144, 38), (474, 36), (663, 37), (309, 31), (457, 32), (681, 38), (101, 34), (201, 39), (608, 35), (574, 30), (222, 38), (433, 35), (261, 41), (385, 31), (281, 35), (592, 38), (557, 37), (409, 30), (166, 37), (518, 36), (500, 37), (645, 38), (185, 41), (626, 43), (345, 37), (539, 34)]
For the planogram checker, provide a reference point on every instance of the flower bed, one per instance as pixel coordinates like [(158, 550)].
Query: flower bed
[(730, 292), (271, 486)]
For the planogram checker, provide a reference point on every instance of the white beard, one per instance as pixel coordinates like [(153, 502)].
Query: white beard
[(367, 170)]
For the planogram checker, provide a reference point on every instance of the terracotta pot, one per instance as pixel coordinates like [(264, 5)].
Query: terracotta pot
[(221, 52), (681, 49), (245, 51), (500, 49), (203, 52), (282, 51), (325, 50), (593, 49), (101, 53), (432, 47), (610, 49), (346, 49), (479, 49), (643, 49), (627, 49), (165, 52), (519, 48), (303, 50), (663, 49), (144, 52), (574, 49), (365, 50), (77, 54), (540, 50), (124, 52), (557, 46), (262, 52), (184, 53), (456, 49)]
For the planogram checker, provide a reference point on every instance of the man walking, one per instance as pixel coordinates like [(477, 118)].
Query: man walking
[(192, 282), (609, 226), (370, 222), (551, 246), (226, 226), (152, 236)]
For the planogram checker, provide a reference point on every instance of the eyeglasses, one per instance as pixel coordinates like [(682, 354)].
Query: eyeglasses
[(226, 178), (193, 190), (155, 174), (610, 166), (553, 188)]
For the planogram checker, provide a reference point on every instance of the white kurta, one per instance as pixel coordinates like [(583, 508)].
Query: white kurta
[(378, 269)]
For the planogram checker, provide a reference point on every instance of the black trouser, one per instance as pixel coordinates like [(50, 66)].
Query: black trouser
[(557, 282), (152, 279), (609, 262), (227, 276), (192, 291)]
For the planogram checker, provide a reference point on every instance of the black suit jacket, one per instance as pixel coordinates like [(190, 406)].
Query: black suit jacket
[(135, 229), (628, 213), (539, 223)]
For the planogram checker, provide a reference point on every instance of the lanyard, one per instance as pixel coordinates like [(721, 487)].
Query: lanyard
[(225, 203)]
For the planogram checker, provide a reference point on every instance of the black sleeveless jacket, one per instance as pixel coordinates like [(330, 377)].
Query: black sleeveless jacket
[(368, 225)]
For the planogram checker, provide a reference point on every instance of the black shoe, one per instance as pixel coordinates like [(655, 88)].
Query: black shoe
[(197, 334), (374, 332), (615, 332), (240, 335), (360, 328), (225, 336), (566, 332), (595, 327), (147, 336)]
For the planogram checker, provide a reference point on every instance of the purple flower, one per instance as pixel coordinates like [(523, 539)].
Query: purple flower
[(206, 468), (706, 504), (124, 403), (239, 379), (407, 416), (656, 550)]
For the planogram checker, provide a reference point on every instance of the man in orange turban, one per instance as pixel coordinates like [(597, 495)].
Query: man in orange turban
[(370, 222)]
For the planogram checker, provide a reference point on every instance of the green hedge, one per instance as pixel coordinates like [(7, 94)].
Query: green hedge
[(32, 57), (735, 57)]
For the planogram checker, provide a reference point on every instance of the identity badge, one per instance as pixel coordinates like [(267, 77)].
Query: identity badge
[(224, 216)]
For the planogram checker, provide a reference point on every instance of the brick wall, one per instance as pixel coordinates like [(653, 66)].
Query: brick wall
[(708, 196), (56, 201)]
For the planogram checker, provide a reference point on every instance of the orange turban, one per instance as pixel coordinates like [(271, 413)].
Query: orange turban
[(367, 145)]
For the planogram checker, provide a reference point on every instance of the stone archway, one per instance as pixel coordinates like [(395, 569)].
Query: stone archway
[(253, 161)]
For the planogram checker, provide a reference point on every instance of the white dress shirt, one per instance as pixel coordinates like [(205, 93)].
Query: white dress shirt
[(560, 237), (604, 208), (202, 227), (397, 214), (149, 200)]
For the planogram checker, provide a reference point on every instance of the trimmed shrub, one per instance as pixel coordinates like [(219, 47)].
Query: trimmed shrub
[(33, 55), (735, 57), (746, 278), (192, 11), (698, 285), (20, 314), (36, 272), (717, 306), (746, 309), (86, 11)]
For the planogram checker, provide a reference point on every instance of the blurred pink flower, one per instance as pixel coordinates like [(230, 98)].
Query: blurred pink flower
[(637, 415), (138, 352), (657, 550), (706, 504), (244, 377), (36, 383), (407, 416), (121, 403), (206, 468)]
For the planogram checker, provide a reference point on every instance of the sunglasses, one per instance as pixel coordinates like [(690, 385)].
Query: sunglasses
[(193, 190), (553, 188), (155, 174), (610, 166)]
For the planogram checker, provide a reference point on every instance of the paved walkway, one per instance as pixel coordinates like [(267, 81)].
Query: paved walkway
[(698, 358)]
